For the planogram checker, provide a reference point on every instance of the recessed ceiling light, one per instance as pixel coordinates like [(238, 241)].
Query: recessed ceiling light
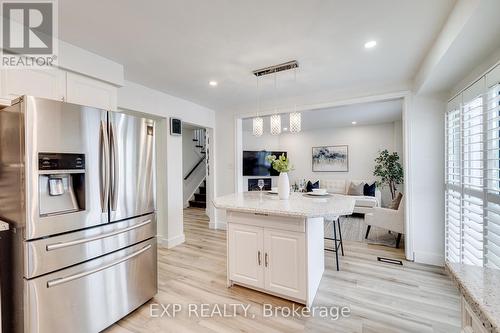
[(213, 83), (370, 44), (285, 129), (354, 123)]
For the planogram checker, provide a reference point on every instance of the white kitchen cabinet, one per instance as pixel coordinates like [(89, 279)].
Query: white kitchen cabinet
[(279, 255), (84, 90), (470, 321), (59, 85), (246, 260), (284, 258), (46, 83)]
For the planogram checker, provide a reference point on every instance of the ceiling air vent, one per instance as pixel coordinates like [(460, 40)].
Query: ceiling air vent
[(276, 68)]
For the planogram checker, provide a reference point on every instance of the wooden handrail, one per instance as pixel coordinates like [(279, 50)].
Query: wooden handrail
[(194, 168)]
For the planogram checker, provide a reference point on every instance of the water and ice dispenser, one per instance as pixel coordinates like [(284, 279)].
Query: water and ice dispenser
[(61, 183)]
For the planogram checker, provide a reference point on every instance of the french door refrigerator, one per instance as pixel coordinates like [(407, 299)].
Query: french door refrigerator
[(77, 189)]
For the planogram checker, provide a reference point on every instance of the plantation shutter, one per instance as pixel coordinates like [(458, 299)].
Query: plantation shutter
[(472, 175), (453, 199), (492, 227), (473, 154)]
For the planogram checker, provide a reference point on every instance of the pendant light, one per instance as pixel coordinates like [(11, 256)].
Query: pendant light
[(258, 126), (275, 118), (275, 124), (295, 122), (295, 117), (258, 122)]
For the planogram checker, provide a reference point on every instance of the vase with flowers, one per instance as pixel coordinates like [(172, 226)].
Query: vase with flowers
[(283, 166)]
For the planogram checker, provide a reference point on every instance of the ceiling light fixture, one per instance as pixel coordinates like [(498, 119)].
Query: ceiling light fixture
[(213, 83), (258, 122), (354, 123), (370, 44), (295, 122), (275, 124), (258, 126), (275, 118), (295, 117)]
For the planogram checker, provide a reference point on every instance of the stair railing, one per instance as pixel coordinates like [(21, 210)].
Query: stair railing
[(194, 168)]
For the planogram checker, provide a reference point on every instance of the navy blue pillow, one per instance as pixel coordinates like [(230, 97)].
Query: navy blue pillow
[(310, 186), (369, 190)]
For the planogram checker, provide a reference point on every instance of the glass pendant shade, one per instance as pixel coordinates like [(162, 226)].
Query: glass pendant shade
[(275, 124), (295, 122), (258, 126)]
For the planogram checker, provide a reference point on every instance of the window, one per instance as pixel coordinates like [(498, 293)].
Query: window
[(492, 225), (473, 176)]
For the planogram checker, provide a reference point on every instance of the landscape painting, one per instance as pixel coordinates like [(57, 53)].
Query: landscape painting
[(330, 159)]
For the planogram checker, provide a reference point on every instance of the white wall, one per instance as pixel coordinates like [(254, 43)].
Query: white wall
[(364, 144), (423, 131), (225, 163), (426, 177), (170, 203), (190, 156)]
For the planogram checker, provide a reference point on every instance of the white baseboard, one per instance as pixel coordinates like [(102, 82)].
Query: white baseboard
[(217, 226), (171, 242), (429, 258)]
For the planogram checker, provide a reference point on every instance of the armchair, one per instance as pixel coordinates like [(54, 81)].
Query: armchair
[(390, 219)]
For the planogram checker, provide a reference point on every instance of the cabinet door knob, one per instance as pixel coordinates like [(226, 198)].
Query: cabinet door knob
[(266, 259), (259, 258)]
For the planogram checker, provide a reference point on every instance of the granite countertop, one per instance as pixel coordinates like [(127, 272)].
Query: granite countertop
[(481, 288), (299, 204)]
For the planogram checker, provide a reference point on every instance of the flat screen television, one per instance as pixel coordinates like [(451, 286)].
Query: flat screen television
[(255, 164)]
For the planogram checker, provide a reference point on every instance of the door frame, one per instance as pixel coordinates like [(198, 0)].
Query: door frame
[(404, 95)]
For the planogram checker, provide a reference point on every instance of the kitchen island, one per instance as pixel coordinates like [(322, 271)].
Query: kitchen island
[(276, 246)]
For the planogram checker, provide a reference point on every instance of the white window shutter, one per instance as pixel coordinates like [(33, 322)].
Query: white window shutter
[(492, 225)]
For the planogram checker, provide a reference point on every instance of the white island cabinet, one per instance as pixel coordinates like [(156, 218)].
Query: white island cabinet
[(276, 246)]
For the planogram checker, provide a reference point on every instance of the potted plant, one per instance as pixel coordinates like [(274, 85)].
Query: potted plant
[(283, 166), (390, 171)]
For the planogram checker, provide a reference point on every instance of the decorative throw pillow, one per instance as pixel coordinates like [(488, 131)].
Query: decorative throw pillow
[(356, 189), (369, 190), (310, 186), (396, 201)]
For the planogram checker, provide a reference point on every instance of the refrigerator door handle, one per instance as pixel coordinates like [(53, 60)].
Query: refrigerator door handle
[(104, 166), (56, 282), (57, 246), (115, 168)]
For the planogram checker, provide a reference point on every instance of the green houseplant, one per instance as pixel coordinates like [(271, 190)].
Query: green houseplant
[(283, 166), (390, 171)]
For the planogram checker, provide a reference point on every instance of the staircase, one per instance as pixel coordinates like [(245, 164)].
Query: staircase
[(200, 195), (200, 198)]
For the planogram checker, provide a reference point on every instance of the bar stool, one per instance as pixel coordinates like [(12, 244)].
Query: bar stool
[(338, 244)]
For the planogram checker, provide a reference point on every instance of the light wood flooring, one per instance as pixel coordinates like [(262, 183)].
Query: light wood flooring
[(382, 297)]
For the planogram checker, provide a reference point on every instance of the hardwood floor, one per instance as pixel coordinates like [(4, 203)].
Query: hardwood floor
[(382, 297)]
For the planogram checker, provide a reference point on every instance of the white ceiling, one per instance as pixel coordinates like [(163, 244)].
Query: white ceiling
[(477, 40), (342, 116), (177, 46)]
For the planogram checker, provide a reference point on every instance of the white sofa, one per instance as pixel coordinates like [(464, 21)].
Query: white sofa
[(364, 204)]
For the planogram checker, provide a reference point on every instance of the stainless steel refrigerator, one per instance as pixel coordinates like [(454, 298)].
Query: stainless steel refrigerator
[(77, 187)]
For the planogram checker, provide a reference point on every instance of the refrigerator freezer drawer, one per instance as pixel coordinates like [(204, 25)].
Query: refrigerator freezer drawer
[(54, 253), (91, 296)]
